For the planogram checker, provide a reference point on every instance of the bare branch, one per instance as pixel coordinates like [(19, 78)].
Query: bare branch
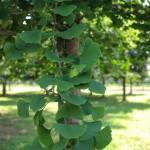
[(7, 33), (21, 12)]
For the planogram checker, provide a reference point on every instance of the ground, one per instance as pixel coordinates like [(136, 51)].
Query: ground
[(129, 121)]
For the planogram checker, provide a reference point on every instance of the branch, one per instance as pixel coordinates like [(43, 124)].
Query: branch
[(7, 33), (21, 12)]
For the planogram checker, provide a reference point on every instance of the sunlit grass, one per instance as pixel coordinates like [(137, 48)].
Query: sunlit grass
[(129, 121)]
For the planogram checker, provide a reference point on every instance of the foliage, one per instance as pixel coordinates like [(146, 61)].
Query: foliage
[(62, 19), (49, 32)]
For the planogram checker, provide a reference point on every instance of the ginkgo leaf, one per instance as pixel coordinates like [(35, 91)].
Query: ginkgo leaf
[(64, 10), (73, 32)]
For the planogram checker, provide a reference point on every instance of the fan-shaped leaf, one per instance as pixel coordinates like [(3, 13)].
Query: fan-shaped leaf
[(90, 54), (39, 6), (103, 138), (38, 102), (64, 10), (11, 51), (82, 79), (23, 108), (38, 118), (85, 145), (97, 87), (72, 32), (60, 145), (64, 85), (69, 111), (97, 112), (76, 70), (70, 131), (45, 81), (31, 36), (52, 56), (44, 136), (92, 129), (73, 99)]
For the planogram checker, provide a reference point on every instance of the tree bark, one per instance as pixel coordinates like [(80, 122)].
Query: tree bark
[(124, 88), (3, 86), (67, 47), (131, 86), (103, 81)]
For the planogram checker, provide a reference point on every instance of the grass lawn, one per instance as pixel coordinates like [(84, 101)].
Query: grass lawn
[(129, 121)]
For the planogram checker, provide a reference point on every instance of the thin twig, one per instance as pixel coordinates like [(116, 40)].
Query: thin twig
[(55, 43)]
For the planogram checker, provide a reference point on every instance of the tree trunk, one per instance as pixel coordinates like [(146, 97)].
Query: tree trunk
[(103, 81), (124, 88), (3, 86), (131, 86), (65, 48)]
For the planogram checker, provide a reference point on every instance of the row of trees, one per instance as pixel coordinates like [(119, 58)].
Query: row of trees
[(121, 30)]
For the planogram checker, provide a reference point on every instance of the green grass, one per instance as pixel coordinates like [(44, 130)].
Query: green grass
[(129, 121)]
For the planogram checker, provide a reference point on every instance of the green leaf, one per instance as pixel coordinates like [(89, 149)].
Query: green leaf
[(73, 99), (91, 52), (31, 48), (70, 131), (39, 6), (43, 20), (44, 136), (103, 138), (38, 102), (52, 56), (23, 108), (69, 111), (60, 145), (64, 10), (82, 86), (20, 44), (97, 87), (38, 118), (86, 108), (45, 81), (82, 79), (31, 36), (70, 19), (73, 32), (76, 70), (64, 85), (4, 13), (47, 35), (97, 112), (85, 145), (11, 52), (92, 129), (26, 47), (35, 145)]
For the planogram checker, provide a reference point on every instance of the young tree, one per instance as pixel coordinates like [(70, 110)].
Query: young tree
[(61, 22)]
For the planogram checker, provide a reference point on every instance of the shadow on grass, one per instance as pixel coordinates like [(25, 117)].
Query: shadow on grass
[(118, 113), (114, 104), (16, 132), (7, 103), (11, 99)]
